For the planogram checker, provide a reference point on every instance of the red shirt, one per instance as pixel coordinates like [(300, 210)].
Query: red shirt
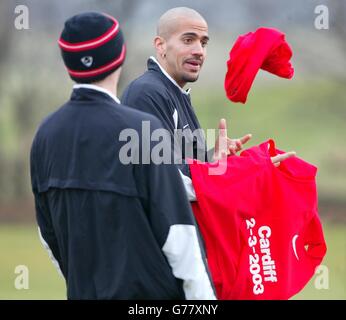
[(264, 49), (260, 224)]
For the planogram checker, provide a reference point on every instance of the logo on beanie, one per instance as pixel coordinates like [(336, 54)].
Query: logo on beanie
[(87, 61)]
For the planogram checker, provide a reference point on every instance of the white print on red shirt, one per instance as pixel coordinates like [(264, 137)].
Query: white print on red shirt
[(267, 263)]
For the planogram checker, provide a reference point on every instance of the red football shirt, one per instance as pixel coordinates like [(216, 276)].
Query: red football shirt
[(260, 224), (265, 49)]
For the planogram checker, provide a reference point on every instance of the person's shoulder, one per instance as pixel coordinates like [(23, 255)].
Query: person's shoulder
[(147, 84), (135, 118), (46, 127), (48, 122)]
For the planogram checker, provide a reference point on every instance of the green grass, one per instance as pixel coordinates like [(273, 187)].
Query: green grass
[(334, 267), (19, 245)]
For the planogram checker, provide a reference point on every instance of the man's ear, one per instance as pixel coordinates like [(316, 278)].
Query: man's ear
[(160, 46)]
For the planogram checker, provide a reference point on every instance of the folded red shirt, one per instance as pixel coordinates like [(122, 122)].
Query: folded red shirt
[(260, 224), (265, 49)]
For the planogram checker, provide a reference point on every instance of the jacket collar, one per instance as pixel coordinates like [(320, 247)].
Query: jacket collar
[(90, 90), (153, 64)]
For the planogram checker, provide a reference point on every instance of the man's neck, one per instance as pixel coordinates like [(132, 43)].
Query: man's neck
[(163, 65), (165, 72), (109, 84)]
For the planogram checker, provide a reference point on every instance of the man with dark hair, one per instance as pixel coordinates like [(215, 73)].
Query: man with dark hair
[(114, 230)]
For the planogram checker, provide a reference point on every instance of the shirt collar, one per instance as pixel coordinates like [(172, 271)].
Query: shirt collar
[(186, 92), (97, 88)]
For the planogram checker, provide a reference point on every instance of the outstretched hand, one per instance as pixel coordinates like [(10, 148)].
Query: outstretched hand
[(225, 146)]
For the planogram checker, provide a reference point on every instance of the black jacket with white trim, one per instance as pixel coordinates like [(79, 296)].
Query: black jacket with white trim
[(116, 231)]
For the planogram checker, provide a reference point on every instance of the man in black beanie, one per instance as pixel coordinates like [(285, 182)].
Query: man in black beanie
[(115, 230)]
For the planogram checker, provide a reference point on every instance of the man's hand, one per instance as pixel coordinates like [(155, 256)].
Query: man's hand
[(280, 157), (225, 146)]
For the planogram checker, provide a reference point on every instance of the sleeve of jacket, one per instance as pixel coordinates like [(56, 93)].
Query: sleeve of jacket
[(45, 227), (144, 98), (174, 227), (47, 236)]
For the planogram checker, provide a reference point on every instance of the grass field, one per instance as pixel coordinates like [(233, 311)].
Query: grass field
[(19, 245)]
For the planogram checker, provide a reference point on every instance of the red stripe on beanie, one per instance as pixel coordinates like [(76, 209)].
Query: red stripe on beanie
[(91, 44), (105, 68)]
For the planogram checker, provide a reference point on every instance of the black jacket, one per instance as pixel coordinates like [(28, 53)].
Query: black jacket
[(109, 224), (155, 94)]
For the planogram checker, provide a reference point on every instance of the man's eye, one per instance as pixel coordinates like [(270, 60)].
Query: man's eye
[(204, 43), (187, 40)]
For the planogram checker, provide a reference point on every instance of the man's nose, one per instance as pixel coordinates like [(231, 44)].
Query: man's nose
[(198, 49)]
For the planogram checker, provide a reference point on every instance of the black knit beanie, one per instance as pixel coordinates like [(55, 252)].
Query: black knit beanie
[(92, 46)]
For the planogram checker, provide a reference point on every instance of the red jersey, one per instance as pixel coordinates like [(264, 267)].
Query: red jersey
[(265, 49), (260, 224)]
